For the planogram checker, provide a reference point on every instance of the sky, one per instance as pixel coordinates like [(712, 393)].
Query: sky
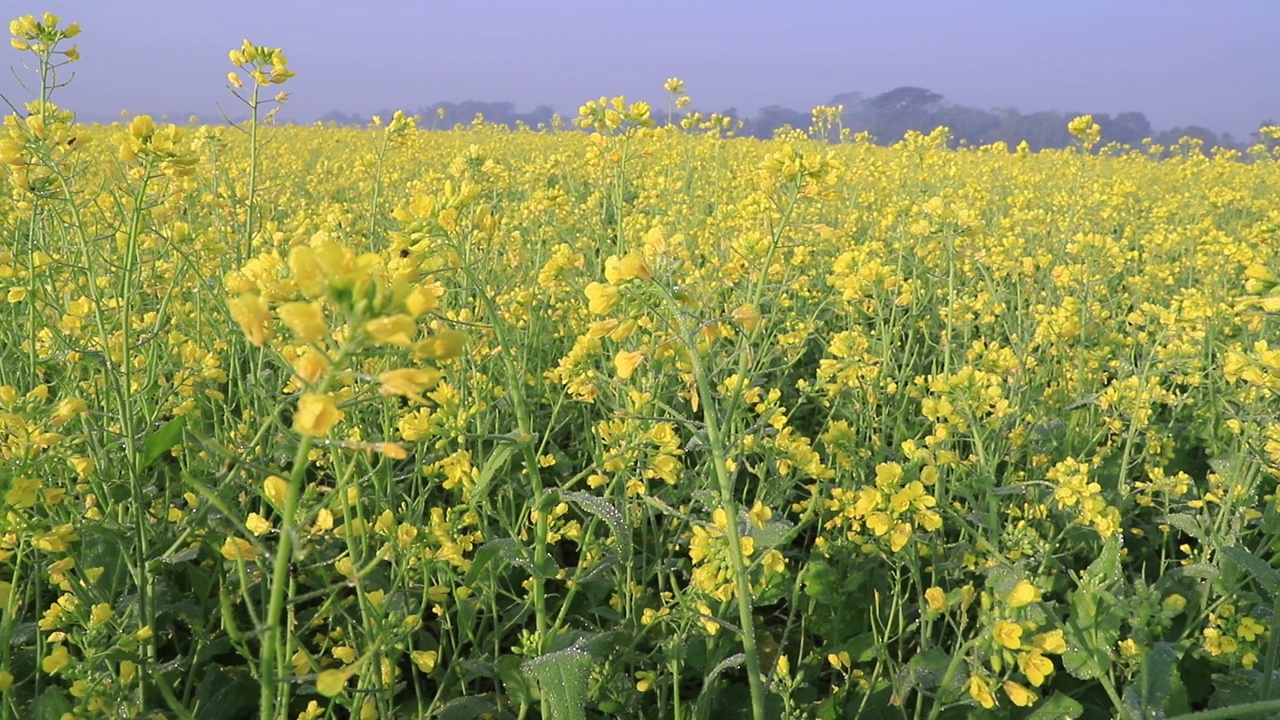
[(1182, 62)]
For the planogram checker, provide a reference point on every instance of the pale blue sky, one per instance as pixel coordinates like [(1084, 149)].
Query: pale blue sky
[(1182, 62)]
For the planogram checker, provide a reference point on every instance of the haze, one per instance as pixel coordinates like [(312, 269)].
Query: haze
[(1181, 62)]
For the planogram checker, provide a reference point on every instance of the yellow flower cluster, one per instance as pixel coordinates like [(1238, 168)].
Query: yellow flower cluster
[(1011, 647), (892, 508)]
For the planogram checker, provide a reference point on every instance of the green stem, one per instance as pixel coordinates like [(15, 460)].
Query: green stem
[(249, 214), (10, 617), (514, 378), (34, 377), (270, 667), (1273, 646), (128, 423), (377, 185), (956, 658), (729, 505), (274, 660)]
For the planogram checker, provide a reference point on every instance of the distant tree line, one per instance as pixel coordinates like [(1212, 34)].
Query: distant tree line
[(886, 116), (448, 114)]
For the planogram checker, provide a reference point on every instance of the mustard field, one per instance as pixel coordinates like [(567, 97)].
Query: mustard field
[(629, 418)]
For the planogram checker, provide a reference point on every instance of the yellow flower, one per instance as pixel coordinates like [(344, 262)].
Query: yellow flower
[(312, 712), (408, 382), (331, 682), (888, 475), (626, 362), (67, 409), (394, 330), (900, 536), (316, 414), (936, 599), (56, 661), (249, 310), (1035, 666), (6, 680), (707, 619), (323, 522), (1249, 629), (1051, 642), (274, 488), (305, 319), (759, 514), (57, 540), (442, 345), (774, 562), (310, 365), (1008, 634), (393, 450), (235, 548), (601, 298), (980, 691), (748, 316), (304, 263), (632, 266), (879, 523), (1020, 696), (645, 680), (22, 493), (100, 613), (421, 300), (1024, 593), (257, 524), (82, 466)]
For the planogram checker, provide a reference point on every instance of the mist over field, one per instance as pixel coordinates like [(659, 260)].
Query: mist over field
[(1181, 65)]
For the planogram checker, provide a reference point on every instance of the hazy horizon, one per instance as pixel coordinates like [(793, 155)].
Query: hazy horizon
[(1179, 62)]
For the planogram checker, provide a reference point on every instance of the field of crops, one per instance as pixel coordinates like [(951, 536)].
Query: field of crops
[(629, 419)]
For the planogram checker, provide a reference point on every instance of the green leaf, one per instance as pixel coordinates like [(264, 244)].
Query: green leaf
[(224, 692), (702, 709), (1058, 706), (1091, 632), (924, 671), (611, 516), (468, 708), (1238, 687), (864, 647), (105, 547), (562, 678), (1261, 571), (184, 555), (819, 579), (1185, 523), (773, 534), (161, 441), (511, 552), (51, 705), (1200, 571), (1084, 609), (492, 465), (1150, 696), (1105, 570), (515, 682)]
